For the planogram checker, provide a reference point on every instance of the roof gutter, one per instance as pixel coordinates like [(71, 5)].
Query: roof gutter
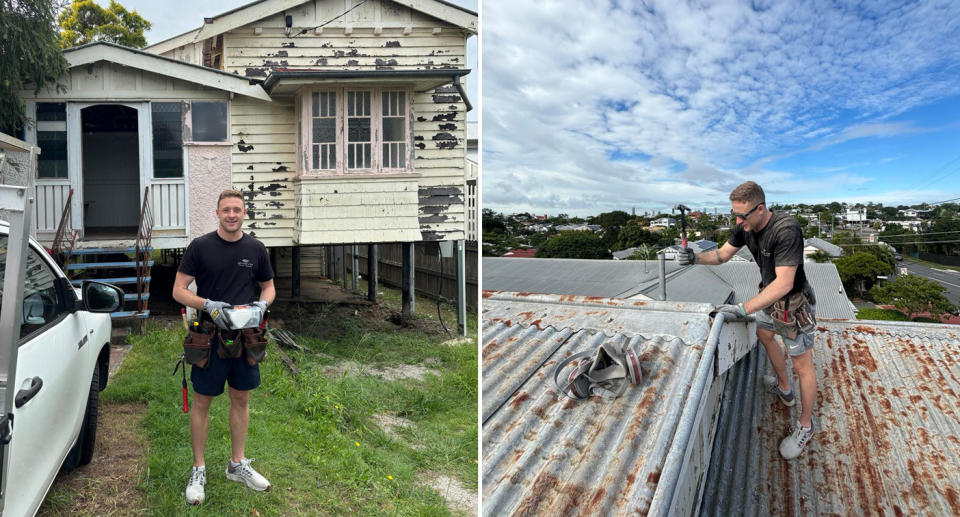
[(278, 75), (663, 500)]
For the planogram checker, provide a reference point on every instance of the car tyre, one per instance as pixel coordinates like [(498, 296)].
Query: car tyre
[(82, 452)]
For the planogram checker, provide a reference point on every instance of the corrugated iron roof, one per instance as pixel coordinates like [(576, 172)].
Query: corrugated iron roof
[(607, 278), (888, 429), (544, 454)]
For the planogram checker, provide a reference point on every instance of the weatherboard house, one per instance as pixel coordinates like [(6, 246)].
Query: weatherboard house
[(340, 121)]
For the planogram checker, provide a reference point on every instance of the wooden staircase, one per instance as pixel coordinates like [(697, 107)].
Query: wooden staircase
[(127, 267)]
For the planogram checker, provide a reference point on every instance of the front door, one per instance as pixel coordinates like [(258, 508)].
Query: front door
[(108, 150)]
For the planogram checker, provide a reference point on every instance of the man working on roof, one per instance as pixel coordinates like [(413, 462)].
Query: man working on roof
[(228, 266), (784, 305)]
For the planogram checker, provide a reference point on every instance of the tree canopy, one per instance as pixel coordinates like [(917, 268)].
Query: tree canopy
[(914, 294), (859, 271), (584, 245), (86, 22), (29, 55)]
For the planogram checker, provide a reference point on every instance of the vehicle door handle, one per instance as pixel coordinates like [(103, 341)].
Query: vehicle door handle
[(24, 395)]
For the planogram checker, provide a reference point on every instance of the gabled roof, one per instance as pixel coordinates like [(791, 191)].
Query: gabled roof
[(831, 249), (133, 58), (249, 13)]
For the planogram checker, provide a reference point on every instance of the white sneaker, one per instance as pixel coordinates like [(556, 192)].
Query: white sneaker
[(773, 386), (244, 473), (198, 478), (793, 444)]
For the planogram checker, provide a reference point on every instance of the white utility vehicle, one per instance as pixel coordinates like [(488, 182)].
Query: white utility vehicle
[(54, 358)]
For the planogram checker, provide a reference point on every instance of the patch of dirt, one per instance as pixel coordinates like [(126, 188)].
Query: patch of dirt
[(390, 373), (459, 498), (107, 486), (389, 424)]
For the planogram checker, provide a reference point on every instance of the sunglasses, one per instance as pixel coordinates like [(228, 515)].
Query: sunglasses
[(747, 213)]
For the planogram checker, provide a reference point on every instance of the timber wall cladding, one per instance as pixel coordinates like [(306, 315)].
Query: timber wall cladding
[(378, 35), (263, 166)]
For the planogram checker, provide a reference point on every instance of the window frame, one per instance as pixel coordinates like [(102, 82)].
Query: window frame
[(305, 129), (42, 258)]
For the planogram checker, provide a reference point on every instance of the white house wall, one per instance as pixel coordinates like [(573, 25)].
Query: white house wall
[(377, 35)]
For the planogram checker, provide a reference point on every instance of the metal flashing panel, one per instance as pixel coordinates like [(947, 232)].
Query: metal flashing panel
[(608, 278), (887, 420), (545, 454)]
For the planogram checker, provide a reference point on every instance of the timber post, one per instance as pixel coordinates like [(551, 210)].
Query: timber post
[(295, 272), (407, 288), (372, 272)]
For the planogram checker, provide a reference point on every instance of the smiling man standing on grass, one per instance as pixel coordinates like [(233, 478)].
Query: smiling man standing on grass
[(784, 306), (228, 265)]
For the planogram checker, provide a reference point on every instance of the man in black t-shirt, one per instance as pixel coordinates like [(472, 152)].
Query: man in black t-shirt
[(776, 242), (228, 266)]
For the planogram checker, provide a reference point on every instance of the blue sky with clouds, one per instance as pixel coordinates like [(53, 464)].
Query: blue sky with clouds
[(596, 105)]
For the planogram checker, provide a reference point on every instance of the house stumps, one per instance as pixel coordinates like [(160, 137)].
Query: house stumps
[(407, 283), (372, 272)]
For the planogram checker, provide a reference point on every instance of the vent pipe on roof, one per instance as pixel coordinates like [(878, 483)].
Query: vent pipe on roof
[(661, 258)]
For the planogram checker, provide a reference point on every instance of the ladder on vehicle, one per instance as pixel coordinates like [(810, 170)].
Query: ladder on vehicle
[(18, 202)]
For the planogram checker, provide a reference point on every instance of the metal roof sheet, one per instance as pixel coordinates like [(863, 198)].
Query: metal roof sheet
[(692, 284), (544, 454), (832, 301), (607, 278), (888, 429), (830, 248)]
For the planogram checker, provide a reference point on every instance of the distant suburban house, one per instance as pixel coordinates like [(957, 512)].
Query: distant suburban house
[(664, 222), (521, 253), (579, 228), (339, 123), (814, 244), (855, 215), (914, 212)]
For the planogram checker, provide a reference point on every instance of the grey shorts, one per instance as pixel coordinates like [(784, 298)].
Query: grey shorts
[(796, 346)]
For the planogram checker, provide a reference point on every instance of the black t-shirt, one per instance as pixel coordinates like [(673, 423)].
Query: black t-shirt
[(779, 243), (227, 271)]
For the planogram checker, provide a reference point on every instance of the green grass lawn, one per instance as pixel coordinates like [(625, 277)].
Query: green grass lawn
[(314, 435)]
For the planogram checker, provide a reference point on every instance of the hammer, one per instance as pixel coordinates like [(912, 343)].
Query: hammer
[(683, 224)]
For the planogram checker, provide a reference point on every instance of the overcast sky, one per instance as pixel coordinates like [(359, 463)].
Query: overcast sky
[(173, 17), (596, 105)]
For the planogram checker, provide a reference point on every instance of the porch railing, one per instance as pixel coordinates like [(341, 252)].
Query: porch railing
[(64, 231)]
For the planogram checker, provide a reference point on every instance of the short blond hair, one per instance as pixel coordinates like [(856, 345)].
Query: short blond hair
[(229, 193), (749, 192)]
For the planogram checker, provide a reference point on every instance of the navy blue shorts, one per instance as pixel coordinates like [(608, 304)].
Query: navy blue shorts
[(235, 372)]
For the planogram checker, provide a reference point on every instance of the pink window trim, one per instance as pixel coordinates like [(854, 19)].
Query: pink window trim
[(305, 136)]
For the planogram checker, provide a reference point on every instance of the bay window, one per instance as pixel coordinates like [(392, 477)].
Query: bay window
[(354, 130)]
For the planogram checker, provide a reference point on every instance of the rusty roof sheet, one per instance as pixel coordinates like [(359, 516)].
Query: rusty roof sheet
[(544, 454), (888, 429)]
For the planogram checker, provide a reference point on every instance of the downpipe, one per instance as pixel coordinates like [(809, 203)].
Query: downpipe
[(663, 497)]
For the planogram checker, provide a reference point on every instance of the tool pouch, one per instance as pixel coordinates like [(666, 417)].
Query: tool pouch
[(255, 343), (792, 314), (196, 346), (229, 345)]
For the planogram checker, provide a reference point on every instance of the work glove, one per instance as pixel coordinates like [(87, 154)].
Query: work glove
[(262, 304), (735, 310), (686, 256), (215, 310)]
